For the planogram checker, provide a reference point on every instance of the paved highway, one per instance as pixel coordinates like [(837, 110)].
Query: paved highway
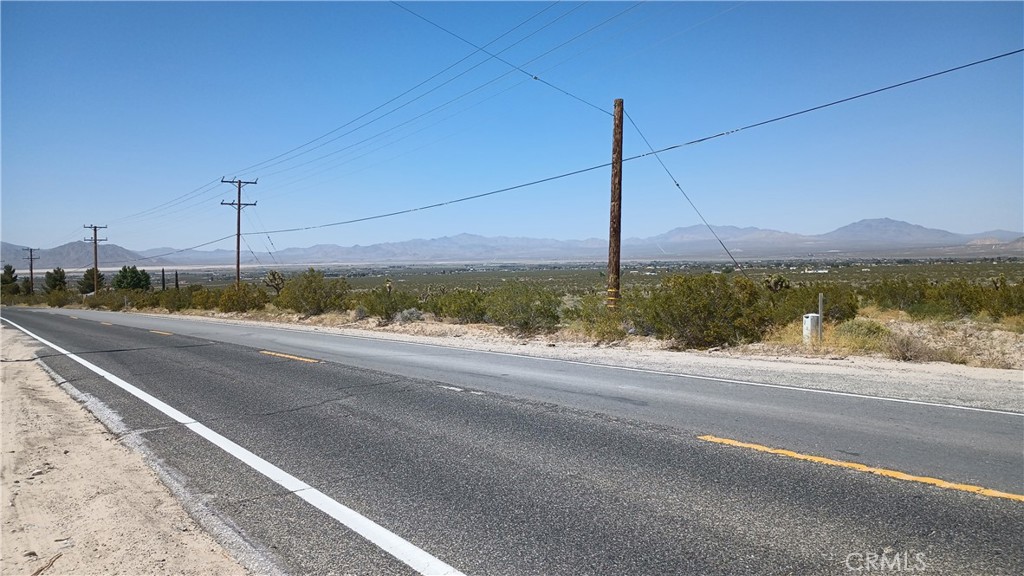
[(386, 457)]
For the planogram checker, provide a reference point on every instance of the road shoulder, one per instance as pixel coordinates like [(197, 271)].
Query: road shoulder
[(75, 496)]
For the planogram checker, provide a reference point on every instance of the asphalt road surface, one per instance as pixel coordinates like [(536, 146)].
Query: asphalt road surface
[(395, 458)]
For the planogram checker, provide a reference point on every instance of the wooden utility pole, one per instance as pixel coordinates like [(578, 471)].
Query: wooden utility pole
[(95, 255), (615, 226), (238, 205), (31, 269)]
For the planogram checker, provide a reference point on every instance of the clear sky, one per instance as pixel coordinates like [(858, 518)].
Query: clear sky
[(129, 114)]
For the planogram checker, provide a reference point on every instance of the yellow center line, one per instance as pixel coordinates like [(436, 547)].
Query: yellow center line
[(289, 357), (162, 333), (870, 469)]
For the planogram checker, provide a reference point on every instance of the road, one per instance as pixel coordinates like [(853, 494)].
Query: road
[(499, 464)]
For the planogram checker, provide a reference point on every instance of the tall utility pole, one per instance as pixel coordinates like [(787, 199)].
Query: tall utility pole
[(95, 255), (238, 235), (31, 269), (615, 226)]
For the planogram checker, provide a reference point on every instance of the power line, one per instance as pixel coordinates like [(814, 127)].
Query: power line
[(837, 102), (414, 118), (279, 159), (685, 195), (506, 62), (638, 156), (210, 186)]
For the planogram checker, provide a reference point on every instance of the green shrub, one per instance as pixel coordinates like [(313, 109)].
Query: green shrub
[(523, 307), (242, 298), (705, 311), (175, 299), (204, 298), (861, 328), (59, 298), (897, 293), (310, 293), (791, 304), (383, 305), (461, 306), (596, 320)]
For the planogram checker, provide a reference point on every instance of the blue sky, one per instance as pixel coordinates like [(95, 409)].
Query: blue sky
[(129, 114)]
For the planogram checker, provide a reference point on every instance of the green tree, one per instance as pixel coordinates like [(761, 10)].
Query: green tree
[(310, 293), (87, 284), (54, 281), (27, 286), (131, 278), (9, 281)]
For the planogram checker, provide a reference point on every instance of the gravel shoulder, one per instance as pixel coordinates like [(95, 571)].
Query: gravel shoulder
[(939, 382), (76, 500)]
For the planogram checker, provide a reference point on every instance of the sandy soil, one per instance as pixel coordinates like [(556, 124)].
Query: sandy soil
[(77, 501)]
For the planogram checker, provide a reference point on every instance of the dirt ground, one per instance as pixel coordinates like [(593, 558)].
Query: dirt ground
[(74, 499)]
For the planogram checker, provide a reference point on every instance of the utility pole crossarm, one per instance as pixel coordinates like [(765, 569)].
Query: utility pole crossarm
[(238, 205)]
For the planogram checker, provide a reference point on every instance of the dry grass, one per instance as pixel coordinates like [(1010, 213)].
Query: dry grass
[(893, 335)]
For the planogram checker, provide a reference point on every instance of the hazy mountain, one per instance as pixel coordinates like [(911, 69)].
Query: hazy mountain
[(882, 237), (74, 255)]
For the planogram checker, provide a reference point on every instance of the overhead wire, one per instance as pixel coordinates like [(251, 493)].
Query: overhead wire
[(268, 164), (652, 151), (514, 66), (683, 192), (414, 118), (203, 191)]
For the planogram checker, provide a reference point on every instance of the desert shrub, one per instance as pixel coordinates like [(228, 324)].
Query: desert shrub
[(1005, 299), (596, 320), (906, 348), (897, 293), (409, 315), (705, 311), (384, 305), (957, 298), (203, 298), (242, 298), (310, 293), (59, 298), (462, 306), (841, 303), (862, 334), (861, 328), (175, 299), (523, 307)]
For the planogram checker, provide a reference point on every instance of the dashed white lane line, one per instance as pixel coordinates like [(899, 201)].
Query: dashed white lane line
[(452, 388), (403, 550)]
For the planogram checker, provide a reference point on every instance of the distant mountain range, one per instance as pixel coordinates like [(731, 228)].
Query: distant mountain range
[(868, 238)]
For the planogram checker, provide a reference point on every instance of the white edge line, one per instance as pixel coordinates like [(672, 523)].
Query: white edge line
[(614, 367), (413, 556)]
